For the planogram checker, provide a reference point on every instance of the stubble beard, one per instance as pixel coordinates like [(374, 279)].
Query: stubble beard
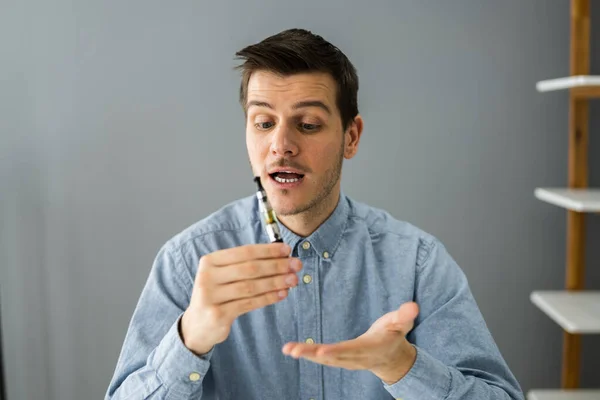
[(317, 204)]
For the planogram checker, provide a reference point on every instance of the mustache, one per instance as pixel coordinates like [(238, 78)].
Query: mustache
[(282, 162)]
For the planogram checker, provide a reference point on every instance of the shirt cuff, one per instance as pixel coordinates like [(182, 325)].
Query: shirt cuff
[(180, 370), (428, 379)]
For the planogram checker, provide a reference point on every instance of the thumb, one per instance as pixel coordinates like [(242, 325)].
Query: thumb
[(403, 319)]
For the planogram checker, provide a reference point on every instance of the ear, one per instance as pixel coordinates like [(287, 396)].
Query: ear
[(352, 137)]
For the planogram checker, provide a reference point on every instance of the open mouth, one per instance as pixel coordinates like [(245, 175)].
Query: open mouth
[(286, 177)]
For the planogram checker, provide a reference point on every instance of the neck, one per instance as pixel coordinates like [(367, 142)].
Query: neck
[(305, 223)]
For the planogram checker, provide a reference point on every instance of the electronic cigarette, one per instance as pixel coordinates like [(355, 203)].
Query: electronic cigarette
[(268, 214)]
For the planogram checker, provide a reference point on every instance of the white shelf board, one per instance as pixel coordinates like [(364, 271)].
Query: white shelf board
[(575, 311), (568, 82), (581, 200), (572, 394)]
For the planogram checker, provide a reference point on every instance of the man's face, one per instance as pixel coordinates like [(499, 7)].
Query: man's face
[(294, 138)]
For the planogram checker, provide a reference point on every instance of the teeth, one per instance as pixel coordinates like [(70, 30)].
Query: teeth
[(281, 180)]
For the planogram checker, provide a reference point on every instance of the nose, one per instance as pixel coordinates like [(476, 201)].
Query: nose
[(283, 143)]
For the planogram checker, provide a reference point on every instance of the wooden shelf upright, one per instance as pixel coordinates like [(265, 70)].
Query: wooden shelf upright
[(575, 309)]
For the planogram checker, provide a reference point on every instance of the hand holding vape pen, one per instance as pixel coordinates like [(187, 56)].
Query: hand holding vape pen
[(268, 214)]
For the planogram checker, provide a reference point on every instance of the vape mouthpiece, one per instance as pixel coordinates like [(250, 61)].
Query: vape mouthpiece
[(258, 183)]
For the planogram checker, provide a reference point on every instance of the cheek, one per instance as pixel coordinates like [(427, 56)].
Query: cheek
[(257, 150), (331, 152), (252, 145), (325, 157)]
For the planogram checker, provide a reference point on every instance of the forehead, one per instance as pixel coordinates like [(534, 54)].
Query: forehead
[(286, 90)]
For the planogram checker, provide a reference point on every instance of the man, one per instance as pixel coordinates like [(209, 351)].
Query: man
[(354, 305)]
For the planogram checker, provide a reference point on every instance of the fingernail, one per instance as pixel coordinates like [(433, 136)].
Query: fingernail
[(285, 250), (282, 294), (295, 264), (290, 279)]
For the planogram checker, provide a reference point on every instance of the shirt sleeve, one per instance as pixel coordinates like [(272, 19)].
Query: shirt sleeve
[(457, 357), (154, 363)]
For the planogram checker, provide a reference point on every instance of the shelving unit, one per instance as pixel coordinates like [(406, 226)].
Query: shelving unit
[(589, 83), (564, 395), (580, 200), (575, 310)]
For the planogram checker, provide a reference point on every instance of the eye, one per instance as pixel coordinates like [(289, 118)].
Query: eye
[(263, 126), (306, 127)]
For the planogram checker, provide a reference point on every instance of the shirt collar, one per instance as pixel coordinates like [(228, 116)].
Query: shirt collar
[(326, 239)]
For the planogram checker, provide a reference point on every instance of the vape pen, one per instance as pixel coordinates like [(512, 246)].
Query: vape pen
[(267, 213)]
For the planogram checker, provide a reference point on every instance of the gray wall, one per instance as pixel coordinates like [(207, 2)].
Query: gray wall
[(120, 127)]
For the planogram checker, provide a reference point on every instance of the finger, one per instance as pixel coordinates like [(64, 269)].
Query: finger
[(335, 362), (301, 349), (238, 307), (314, 354), (292, 348), (253, 287), (256, 269), (318, 353), (403, 319), (358, 346), (287, 348), (305, 350), (348, 349), (236, 255)]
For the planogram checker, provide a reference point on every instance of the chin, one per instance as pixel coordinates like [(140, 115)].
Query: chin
[(285, 207)]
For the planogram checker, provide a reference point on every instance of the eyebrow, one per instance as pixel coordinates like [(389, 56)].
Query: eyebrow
[(301, 104), (258, 104), (312, 103)]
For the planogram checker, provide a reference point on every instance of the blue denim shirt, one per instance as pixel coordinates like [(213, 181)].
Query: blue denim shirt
[(363, 263)]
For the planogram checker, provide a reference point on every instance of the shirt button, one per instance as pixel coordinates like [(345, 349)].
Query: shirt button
[(307, 278), (310, 341), (325, 254), (306, 245), (194, 376)]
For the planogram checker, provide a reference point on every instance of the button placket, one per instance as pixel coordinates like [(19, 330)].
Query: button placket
[(308, 328)]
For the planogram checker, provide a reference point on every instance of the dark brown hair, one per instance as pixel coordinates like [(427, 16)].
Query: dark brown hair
[(297, 51)]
